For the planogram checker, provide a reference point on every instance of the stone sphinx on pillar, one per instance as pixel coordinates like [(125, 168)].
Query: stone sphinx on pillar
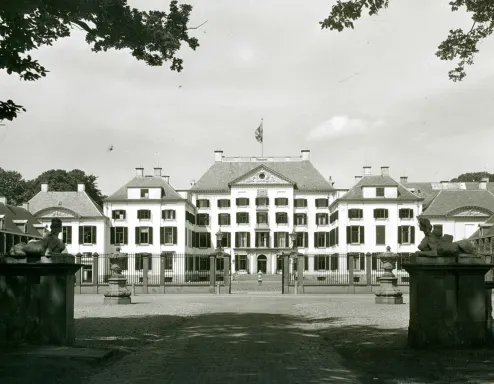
[(448, 306)]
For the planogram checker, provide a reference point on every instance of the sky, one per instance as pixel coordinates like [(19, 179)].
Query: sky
[(376, 95)]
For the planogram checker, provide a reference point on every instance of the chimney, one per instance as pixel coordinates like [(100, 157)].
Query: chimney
[(218, 155), (367, 170), (44, 187), (483, 183), (192, 182), (385, 170), (3, 200), (25, 206), (444, 184), (305, 154), (166, 178), (404, 179), (157, 171), (140, 171), (330, 180), (81, 187), (358, 178)]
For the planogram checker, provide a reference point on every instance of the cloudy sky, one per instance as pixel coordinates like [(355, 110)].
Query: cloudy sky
[(376, 95)]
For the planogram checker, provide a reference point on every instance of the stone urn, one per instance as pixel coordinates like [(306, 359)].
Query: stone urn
[(388, 293), (117, 291)]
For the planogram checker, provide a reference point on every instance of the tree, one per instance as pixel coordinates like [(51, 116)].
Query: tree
[(473, 177), (61, 180), (153, 37), (12, 186), (458, 45)]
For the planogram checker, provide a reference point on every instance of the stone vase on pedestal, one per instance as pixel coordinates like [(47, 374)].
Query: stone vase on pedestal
[(117, 291), (388, 293)]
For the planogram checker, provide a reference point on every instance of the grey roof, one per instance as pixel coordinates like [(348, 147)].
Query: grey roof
[(448, 201), (489, 232), (12, 213), (356, 191), (78, 202), (146, 182), (305, 176)]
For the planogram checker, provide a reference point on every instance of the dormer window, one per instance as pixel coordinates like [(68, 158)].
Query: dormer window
[(380, 192), (21, 224), (2, 222), (144, 193)]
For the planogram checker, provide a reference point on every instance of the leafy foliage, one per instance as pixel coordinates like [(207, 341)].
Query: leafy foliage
[(17, 190), (473, 177), (459, 45), (153, 37)]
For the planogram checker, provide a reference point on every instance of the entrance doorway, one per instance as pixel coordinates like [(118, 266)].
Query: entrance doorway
[(262, 264)]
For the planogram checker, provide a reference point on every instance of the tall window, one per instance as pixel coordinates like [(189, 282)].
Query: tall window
[(242, 218), (281, 240), (262, 239), (167, 259), (168, 235), (300, 218), (281, 218), (333, 217), (118, 235), (322, 218), (302, 240), (240, 262), (202, 219), (326, 262), (224, 219), (321, 239), (262, 217), (355, 234), (406, 234), (203, 239), (87, 235), (226, 240), (380, 235), (333, 237), (242, 239), (144, 214), (139, 262), (67, 234), (144, 235)]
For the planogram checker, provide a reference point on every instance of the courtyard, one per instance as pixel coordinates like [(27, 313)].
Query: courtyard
[(248, 338)]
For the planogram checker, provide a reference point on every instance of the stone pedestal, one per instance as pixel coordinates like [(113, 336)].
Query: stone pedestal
[(388, 292), (117, 284), (448, 306), (37, 301)]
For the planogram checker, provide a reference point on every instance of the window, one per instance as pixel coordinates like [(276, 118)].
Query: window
[(87, 235), (220, 264), (355, 213), (139, 261), (2, 223), (380, 235), (300, 203), (281, 240), (203, 239), (240, 262), (168, 235), (67, 234), (281, 218), (358, 261), (119, 235), (144, 193), (242, 202), (242, 218), (202, 219), (406, 213), (333, 217), (144, 214), (406, 234), (355, 235), (333, 237), (380, 213), (167, 260), (202, 203), (379, 192), (322, 218), (326, 262), (302, 240), (190, 217), (322, 203), (144, 235), (223, 203), (168, 214), (262, 239), (300, 218), (242, 239), (321, 239), (224, 219), (281, 202), (226, 240), (262, 201), (262, 218), (118, 214)]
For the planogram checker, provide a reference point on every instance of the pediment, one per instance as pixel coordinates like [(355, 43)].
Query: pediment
[(262, 175), (470, 212), (57, 212)]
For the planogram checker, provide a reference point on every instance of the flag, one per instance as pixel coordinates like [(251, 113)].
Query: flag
[(259, 133)]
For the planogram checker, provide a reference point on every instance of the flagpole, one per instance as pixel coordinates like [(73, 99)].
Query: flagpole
[(262, 141)]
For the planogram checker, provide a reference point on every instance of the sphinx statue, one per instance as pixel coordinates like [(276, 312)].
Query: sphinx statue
[(435, 244), (49, 244)]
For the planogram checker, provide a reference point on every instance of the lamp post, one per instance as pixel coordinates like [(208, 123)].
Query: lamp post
[(220, 254), (294, 256)]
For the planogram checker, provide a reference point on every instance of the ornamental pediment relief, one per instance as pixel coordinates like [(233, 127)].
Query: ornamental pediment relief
[(56, 212), (471, 212), (261, 176)]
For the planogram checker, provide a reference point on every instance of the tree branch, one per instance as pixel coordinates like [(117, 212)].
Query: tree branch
[(199, 26), (83, 25)]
